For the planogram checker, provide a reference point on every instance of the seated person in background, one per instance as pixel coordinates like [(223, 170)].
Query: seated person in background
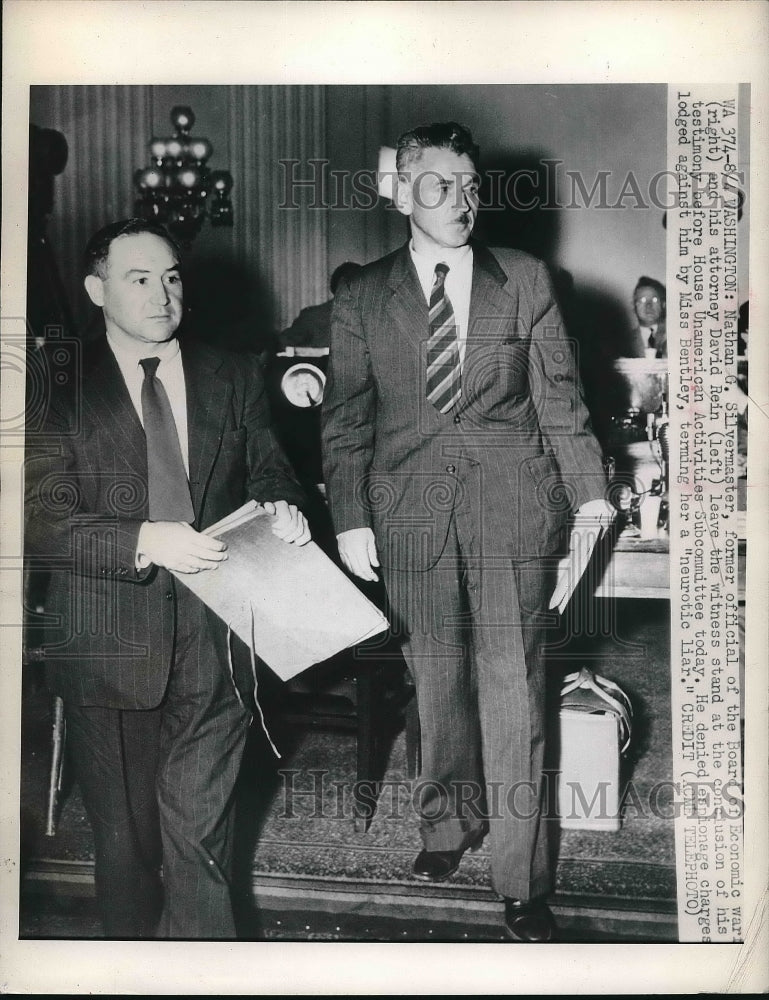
[(742, 329), (312, 327), (649, 306)]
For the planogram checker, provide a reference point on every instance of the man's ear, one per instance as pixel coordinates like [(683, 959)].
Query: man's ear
[(95, 288), (404, 200)]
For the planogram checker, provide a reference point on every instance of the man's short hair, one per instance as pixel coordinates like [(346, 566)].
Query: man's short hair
[(97, 249), (440, 135), (658, 287)]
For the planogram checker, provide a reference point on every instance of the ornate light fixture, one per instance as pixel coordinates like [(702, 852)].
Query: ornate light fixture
[(177, 188)]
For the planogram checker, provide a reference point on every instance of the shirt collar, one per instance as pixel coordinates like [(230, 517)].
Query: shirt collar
[(129, 355), (452, 256)]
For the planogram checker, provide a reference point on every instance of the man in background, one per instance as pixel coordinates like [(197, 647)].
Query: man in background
[(312, 327), (157, 441), (456, 443), (649, 305)]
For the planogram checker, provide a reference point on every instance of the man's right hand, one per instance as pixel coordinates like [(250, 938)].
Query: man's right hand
[(177, 546), (357, 549)]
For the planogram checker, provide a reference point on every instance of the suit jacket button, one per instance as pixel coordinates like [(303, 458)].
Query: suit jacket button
[(169, 595), (451, 468), (457, 418)]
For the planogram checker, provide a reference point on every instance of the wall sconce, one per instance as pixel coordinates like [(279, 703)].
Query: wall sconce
[(177, 189)]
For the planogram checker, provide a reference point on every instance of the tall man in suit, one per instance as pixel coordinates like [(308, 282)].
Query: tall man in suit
[(157, 441), (456, 443)]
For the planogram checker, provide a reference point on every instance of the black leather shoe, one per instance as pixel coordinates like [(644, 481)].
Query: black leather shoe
[(437, 866), (530, 922)]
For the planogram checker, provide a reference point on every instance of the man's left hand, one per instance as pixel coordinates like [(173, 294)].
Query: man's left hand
[(589, 521), (290, 524)]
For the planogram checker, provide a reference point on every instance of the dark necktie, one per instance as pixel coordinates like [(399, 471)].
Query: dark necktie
[(443, 371), (169, 489)]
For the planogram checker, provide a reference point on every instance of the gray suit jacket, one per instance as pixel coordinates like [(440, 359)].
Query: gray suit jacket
[(394, 463), (111, 626)]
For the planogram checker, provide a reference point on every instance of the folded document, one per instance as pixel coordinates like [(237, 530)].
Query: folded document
[(585, 535), (291, 604)]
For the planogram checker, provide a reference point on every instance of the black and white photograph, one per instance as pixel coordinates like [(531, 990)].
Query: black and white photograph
[(384, 497)]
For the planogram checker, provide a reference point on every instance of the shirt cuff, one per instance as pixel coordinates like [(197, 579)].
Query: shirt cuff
[(142, 561)]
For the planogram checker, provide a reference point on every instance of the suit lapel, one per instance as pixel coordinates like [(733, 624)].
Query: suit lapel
[(408, 309), (493, 311), (492, 302), (208, 398), (113, 412), (493, 305)]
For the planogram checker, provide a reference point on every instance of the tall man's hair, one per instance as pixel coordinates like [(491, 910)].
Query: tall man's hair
[(97, 249), (439, 135)]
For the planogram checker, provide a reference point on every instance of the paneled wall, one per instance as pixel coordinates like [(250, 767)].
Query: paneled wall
[(105, 129), (619, 130), (254, 278), (270, 128), (245, 281)]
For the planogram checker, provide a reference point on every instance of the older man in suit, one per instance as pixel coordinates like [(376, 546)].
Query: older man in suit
[(456, 443), (155, 442)]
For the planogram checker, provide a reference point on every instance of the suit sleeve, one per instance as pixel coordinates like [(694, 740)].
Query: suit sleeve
[(269, 474), (61, 530), (563, 416), (349, 411)]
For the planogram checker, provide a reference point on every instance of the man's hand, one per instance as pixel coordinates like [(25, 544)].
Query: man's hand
[(177, 546), (589, 521), (290, 524), (357, 549)]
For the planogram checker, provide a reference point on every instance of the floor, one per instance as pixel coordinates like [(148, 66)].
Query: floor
[(308, 871)]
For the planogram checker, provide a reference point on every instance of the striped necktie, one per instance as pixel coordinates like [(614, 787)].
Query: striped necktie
[(169, 489), (443, 371)]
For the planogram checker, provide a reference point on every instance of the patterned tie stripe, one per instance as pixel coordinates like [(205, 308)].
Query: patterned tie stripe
[(443, 369), (169, 489)]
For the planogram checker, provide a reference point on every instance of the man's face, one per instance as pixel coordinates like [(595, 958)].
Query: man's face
[(649, 306), (141, 294), (441, 199)]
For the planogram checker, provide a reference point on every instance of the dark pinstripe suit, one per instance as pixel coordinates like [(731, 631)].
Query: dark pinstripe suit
[(142, 666), (464, 506)]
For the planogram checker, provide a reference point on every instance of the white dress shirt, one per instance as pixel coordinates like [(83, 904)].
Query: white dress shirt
[(170, 371), (459, 283)]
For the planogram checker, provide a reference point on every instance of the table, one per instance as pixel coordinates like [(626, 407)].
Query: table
[(640, 568)]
